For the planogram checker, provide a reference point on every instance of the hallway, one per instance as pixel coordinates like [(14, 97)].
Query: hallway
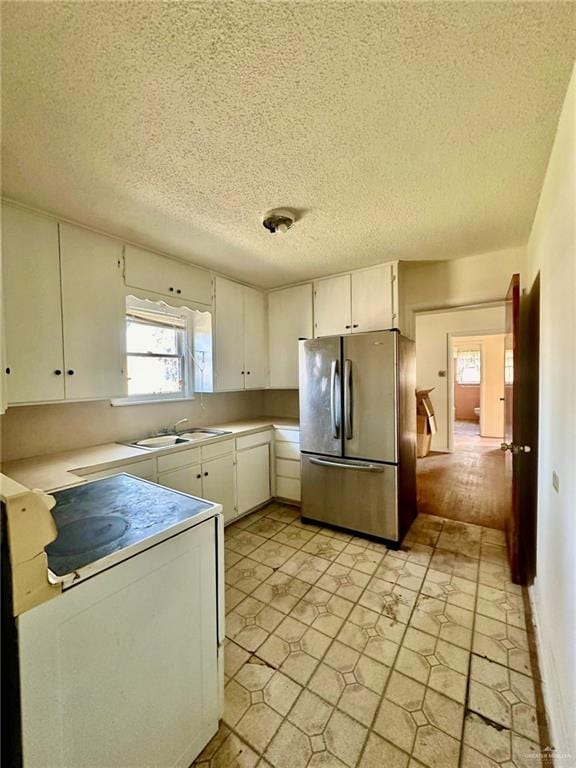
[(467, 485)]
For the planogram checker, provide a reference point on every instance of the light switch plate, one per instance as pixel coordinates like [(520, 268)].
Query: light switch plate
[(556, 482)]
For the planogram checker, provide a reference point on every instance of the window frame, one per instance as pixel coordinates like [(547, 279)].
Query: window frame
[(463, 351), (184, 343)]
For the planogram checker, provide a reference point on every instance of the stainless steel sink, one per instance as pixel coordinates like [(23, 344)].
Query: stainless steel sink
[(180, 438)]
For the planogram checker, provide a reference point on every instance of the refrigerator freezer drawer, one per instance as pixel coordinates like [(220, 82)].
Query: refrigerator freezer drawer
[(358, 495)]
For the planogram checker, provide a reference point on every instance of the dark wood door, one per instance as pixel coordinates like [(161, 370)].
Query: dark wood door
[(521, 427)]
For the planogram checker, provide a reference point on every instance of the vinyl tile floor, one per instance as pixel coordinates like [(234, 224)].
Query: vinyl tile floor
[(341, 652)]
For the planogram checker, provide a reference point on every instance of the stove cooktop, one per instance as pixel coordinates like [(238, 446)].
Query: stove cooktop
[(107, 516)]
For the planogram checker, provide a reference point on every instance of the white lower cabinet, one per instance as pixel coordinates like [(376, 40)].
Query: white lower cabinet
[(185, 479), (218, 484), (253, 477), (213, 478)]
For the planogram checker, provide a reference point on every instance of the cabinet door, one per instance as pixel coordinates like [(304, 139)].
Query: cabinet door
[(332, 315), (229, 335), (372, 304), (289, 319), (94, 313), (218, 484), (32, 307), (185, 479), (253, 477), (158, 274), (255, 339)]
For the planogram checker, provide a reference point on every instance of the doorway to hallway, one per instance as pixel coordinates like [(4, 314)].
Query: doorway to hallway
[(468, 483)]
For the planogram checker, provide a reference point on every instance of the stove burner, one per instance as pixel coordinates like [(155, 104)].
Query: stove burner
[(88, 534)]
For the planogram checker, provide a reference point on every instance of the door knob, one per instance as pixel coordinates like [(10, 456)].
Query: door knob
[(515, 449)]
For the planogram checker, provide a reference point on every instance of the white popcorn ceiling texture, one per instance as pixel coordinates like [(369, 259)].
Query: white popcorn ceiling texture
[(397, 130)]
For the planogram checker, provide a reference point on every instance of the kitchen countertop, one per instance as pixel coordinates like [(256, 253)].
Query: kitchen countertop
[(63, 469)]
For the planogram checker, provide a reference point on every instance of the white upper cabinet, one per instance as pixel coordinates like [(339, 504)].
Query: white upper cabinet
[(229, 335), (157, 274), (332, 309), (289, 319), (240, 337), (94, 315), (364, 300), (372, 299), (255, 339), (33, 359)]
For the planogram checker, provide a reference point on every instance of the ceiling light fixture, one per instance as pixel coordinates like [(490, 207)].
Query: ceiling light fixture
[(278, 220)]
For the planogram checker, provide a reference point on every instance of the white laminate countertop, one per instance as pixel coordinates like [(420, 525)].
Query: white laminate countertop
[(63, 469)]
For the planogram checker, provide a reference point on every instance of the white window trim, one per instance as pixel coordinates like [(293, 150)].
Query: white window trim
[(188, 392)]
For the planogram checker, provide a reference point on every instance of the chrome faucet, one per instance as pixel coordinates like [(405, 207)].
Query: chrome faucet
[(180, 421)]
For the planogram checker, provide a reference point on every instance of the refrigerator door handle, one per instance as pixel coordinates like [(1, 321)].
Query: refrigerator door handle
[(334, 399), (340, 465), (348, 398)]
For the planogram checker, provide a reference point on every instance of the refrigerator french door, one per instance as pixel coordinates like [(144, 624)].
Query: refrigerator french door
[(357, 431)]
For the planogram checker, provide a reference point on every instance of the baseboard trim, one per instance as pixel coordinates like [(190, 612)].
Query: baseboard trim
[(557, 726)]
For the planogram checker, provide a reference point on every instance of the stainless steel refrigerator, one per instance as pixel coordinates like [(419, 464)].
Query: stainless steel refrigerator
[(358, 432)]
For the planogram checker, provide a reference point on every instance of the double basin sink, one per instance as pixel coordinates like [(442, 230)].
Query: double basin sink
[(181, 438)]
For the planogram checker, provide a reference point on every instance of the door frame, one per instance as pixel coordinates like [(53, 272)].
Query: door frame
[(451, 374)]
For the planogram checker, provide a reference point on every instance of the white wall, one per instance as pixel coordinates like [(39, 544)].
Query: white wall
[(433, 352), (552, 252), (459, 282)]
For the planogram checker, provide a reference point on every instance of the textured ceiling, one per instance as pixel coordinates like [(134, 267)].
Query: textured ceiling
[(397, 130)]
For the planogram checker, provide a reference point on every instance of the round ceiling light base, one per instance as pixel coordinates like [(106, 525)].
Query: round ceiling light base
[(279, 220)]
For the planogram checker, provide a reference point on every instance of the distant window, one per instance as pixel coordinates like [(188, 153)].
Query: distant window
[(156, 352), (468, 366)]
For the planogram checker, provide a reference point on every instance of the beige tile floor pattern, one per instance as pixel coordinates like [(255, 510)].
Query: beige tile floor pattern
[(343, 653)]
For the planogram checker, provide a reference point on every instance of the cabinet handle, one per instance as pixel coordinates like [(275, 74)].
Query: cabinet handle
[(242, 372), (248, 372), (178, 290), (70, 372), (7, 370), (198, 477), (171, 289), (58, 372), (347, 326), (205, 474), (355, 325)]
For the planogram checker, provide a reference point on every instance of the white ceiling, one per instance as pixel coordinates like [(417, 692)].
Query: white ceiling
[(397, 130)]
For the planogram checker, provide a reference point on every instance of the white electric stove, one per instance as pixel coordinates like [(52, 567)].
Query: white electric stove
[(124, 667)]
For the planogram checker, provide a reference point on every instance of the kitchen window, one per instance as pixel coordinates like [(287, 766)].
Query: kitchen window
[(157, 351), (468, 366)]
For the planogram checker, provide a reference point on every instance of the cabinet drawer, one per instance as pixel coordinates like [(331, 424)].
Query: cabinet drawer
[(214, 450), (287, 468), (145, 469), (288, 435), (288, 451), (288, 488), (249, 441), (179, 459)]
